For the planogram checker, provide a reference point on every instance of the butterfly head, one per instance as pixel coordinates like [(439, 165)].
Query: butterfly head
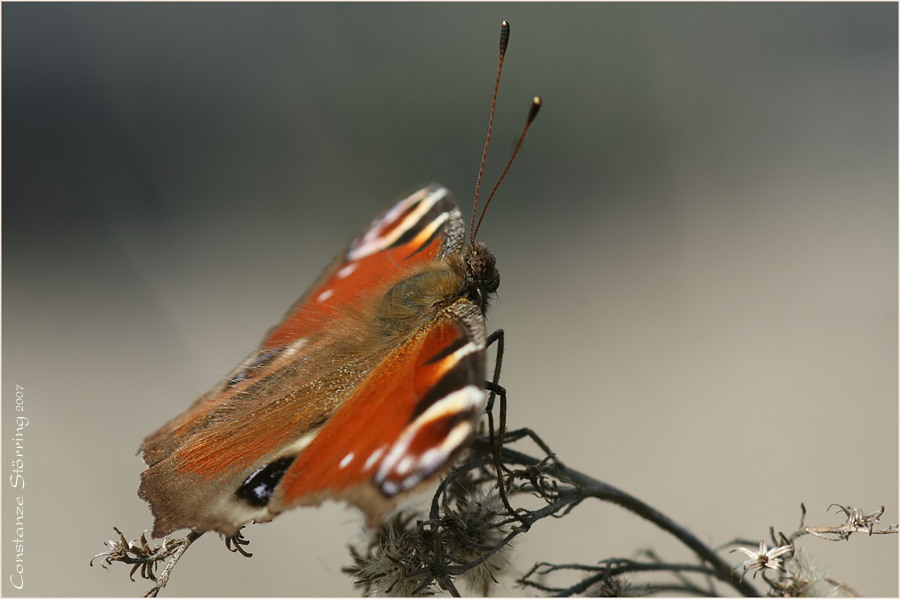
[(482, 276)]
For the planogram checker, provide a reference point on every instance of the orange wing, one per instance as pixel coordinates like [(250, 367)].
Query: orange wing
[(404, 423), (217, 466)]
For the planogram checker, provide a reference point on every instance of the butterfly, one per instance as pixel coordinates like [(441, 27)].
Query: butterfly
[(370, 386)]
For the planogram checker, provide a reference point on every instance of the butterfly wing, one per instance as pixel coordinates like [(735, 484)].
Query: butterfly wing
[(405, 423), (217, 465), (416, 230)]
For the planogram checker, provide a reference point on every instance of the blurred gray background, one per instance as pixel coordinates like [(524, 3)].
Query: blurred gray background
[(698, 247)]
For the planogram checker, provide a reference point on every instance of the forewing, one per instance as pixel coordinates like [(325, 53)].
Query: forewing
[(416, 230)]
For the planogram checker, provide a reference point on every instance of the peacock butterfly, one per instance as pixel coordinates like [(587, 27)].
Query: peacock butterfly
[(369, 387), (371, 384)]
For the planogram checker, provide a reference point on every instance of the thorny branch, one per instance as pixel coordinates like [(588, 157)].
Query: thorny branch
[(147, 557), (456, 543), (140, 554), (857, 521), (560, 489)]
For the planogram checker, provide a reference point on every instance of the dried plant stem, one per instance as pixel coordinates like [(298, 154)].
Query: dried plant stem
[(163, 577), (587, 486)]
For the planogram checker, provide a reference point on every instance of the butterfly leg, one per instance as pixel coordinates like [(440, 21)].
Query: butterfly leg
[(497, 336), (521, 433), (495, 389), (239, 541), (493, 386), (496, 440)]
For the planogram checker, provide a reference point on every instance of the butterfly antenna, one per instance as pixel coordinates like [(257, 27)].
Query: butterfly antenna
[(532, 113), (504, 41)]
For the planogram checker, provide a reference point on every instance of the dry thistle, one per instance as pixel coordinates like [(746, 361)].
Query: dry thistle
[(762, 559)]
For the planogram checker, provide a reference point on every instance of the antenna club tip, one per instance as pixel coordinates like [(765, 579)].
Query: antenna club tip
[(535, 106), (504, 36)]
